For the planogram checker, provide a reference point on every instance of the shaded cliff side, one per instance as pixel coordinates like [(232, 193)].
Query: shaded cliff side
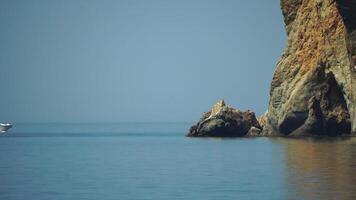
[(313, 91)]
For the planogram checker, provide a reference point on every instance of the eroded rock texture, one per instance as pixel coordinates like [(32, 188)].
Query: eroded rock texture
[(225, 121), (313, 91)]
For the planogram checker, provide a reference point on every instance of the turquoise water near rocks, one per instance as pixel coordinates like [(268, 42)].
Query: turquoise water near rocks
[(155, 161)]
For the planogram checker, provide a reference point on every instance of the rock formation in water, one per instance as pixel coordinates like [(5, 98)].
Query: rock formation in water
[(225, 121), (313, 91)]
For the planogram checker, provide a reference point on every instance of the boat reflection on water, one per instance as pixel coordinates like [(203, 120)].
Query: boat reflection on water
[(320, 168)]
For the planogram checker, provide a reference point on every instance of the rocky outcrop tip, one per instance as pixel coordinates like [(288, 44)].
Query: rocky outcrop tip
[(225, 121)]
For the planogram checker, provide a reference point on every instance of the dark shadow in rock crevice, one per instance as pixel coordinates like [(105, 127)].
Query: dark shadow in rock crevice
[(347, 9), (292, 122), (337, 119)]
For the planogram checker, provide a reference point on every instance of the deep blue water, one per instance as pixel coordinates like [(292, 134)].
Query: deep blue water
[(155, 161)]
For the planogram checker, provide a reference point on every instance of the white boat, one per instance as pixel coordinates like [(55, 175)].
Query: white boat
[(4, 127)]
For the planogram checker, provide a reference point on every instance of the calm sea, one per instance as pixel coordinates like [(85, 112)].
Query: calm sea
[(155, 161)]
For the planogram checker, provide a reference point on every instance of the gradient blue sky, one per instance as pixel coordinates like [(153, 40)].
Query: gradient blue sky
[(135, 60)]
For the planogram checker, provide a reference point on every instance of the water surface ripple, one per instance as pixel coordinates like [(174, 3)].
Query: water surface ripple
[(155, 161)]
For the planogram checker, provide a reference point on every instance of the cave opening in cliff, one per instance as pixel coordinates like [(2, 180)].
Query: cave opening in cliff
[(337, 119), (327, 114)]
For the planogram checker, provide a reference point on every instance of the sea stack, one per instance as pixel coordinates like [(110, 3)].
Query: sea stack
[(313, 91), (225, 121)]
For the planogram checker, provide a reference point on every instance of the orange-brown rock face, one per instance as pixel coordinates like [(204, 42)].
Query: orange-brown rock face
[(313, 91)]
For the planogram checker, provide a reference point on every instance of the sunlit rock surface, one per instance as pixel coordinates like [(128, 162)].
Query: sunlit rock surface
[(313, 91)]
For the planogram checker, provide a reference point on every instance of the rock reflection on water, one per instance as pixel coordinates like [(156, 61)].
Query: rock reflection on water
[(320, 168)]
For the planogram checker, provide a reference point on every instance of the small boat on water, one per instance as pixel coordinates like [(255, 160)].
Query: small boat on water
[(4, 127)]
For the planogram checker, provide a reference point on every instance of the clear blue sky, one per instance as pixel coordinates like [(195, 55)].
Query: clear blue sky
[(135, 60)]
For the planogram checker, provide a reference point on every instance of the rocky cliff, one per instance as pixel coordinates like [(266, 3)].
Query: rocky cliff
[(313, 91)]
